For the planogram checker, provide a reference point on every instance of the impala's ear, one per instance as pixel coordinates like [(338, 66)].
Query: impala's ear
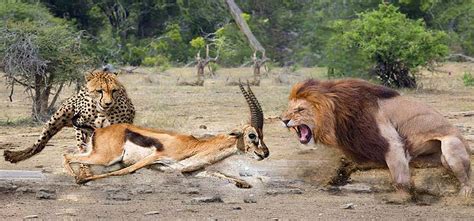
[(236, 133)]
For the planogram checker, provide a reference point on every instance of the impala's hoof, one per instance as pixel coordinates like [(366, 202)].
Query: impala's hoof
[(81, 180), (243, 185), (465, 191)]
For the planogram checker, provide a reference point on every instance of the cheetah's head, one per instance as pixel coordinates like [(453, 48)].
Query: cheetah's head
[(104, 87)]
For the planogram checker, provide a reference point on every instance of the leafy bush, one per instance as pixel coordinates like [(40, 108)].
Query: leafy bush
[(468, 79), (387, 43), (149, 61), (232, 45), (134, 55), (213, 67), (198, 43), (157, 61)]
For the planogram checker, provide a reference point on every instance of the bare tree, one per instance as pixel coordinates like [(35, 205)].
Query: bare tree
[(201, 64), (41, 71), (257, 64), (237, 15), (23, 66)]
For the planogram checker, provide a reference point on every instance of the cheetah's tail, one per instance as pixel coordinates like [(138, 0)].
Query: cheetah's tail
[(20, 155)]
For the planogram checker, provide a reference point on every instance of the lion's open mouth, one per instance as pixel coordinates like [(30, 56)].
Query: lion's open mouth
[(304, 133)]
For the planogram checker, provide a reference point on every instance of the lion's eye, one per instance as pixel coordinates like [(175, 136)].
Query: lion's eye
[(299, 109), (252, 136)]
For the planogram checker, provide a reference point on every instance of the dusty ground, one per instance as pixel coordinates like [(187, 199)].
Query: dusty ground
[(288, 185)]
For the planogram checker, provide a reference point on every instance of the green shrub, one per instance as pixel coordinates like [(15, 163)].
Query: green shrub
[(233, 47), (149, 61), (213, 67), (468, 79), (157, 61), (387, 43), (198, 43)]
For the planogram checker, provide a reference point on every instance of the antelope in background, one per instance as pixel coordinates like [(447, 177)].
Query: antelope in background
[(137, 147)]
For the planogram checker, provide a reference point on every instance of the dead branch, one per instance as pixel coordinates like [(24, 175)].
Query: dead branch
[(20, 82), (189, 64), (127, 71), (209, 59), (467, 58), (201, 63), (237, 15), (257, 64), (55, 98), (245, 64), (11, 92)]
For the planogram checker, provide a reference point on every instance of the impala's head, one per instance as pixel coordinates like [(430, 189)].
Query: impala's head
[(251, 136), (103, 86)]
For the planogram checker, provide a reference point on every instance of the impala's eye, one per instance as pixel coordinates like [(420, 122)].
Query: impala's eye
[(252, 136)]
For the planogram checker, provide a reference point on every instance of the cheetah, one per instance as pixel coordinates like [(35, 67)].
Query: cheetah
[(101, 102)]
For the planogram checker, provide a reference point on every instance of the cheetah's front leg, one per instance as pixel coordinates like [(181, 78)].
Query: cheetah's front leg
[(82, 137), (83, 131)]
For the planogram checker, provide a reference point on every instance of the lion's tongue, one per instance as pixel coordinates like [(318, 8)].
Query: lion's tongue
[(304, 134)]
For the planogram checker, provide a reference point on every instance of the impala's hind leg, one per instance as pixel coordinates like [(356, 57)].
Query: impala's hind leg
[(67, 165), (456, 158), (148, 160), (87, 159), (238, 182)]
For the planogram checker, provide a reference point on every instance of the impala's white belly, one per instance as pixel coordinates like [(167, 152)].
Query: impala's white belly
[(132, 153)]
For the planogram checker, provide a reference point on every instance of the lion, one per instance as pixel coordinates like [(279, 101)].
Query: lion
[(375, 124)]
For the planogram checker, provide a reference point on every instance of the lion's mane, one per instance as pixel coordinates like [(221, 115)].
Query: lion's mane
[(345, 115)]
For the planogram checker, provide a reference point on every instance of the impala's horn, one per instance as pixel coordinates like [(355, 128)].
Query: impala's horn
[(256, 113)]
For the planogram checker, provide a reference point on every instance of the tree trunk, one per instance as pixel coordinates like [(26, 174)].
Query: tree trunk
[(237, 15), (40, 105), (55, 98), (200, 72), (44, 111), (394, 75), (256, 74), (37, 98)]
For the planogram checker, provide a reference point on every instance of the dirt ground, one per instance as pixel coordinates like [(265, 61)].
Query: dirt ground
[(290, 184)]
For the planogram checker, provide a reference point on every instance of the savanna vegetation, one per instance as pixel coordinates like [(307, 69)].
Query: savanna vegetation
[(46, 44)]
